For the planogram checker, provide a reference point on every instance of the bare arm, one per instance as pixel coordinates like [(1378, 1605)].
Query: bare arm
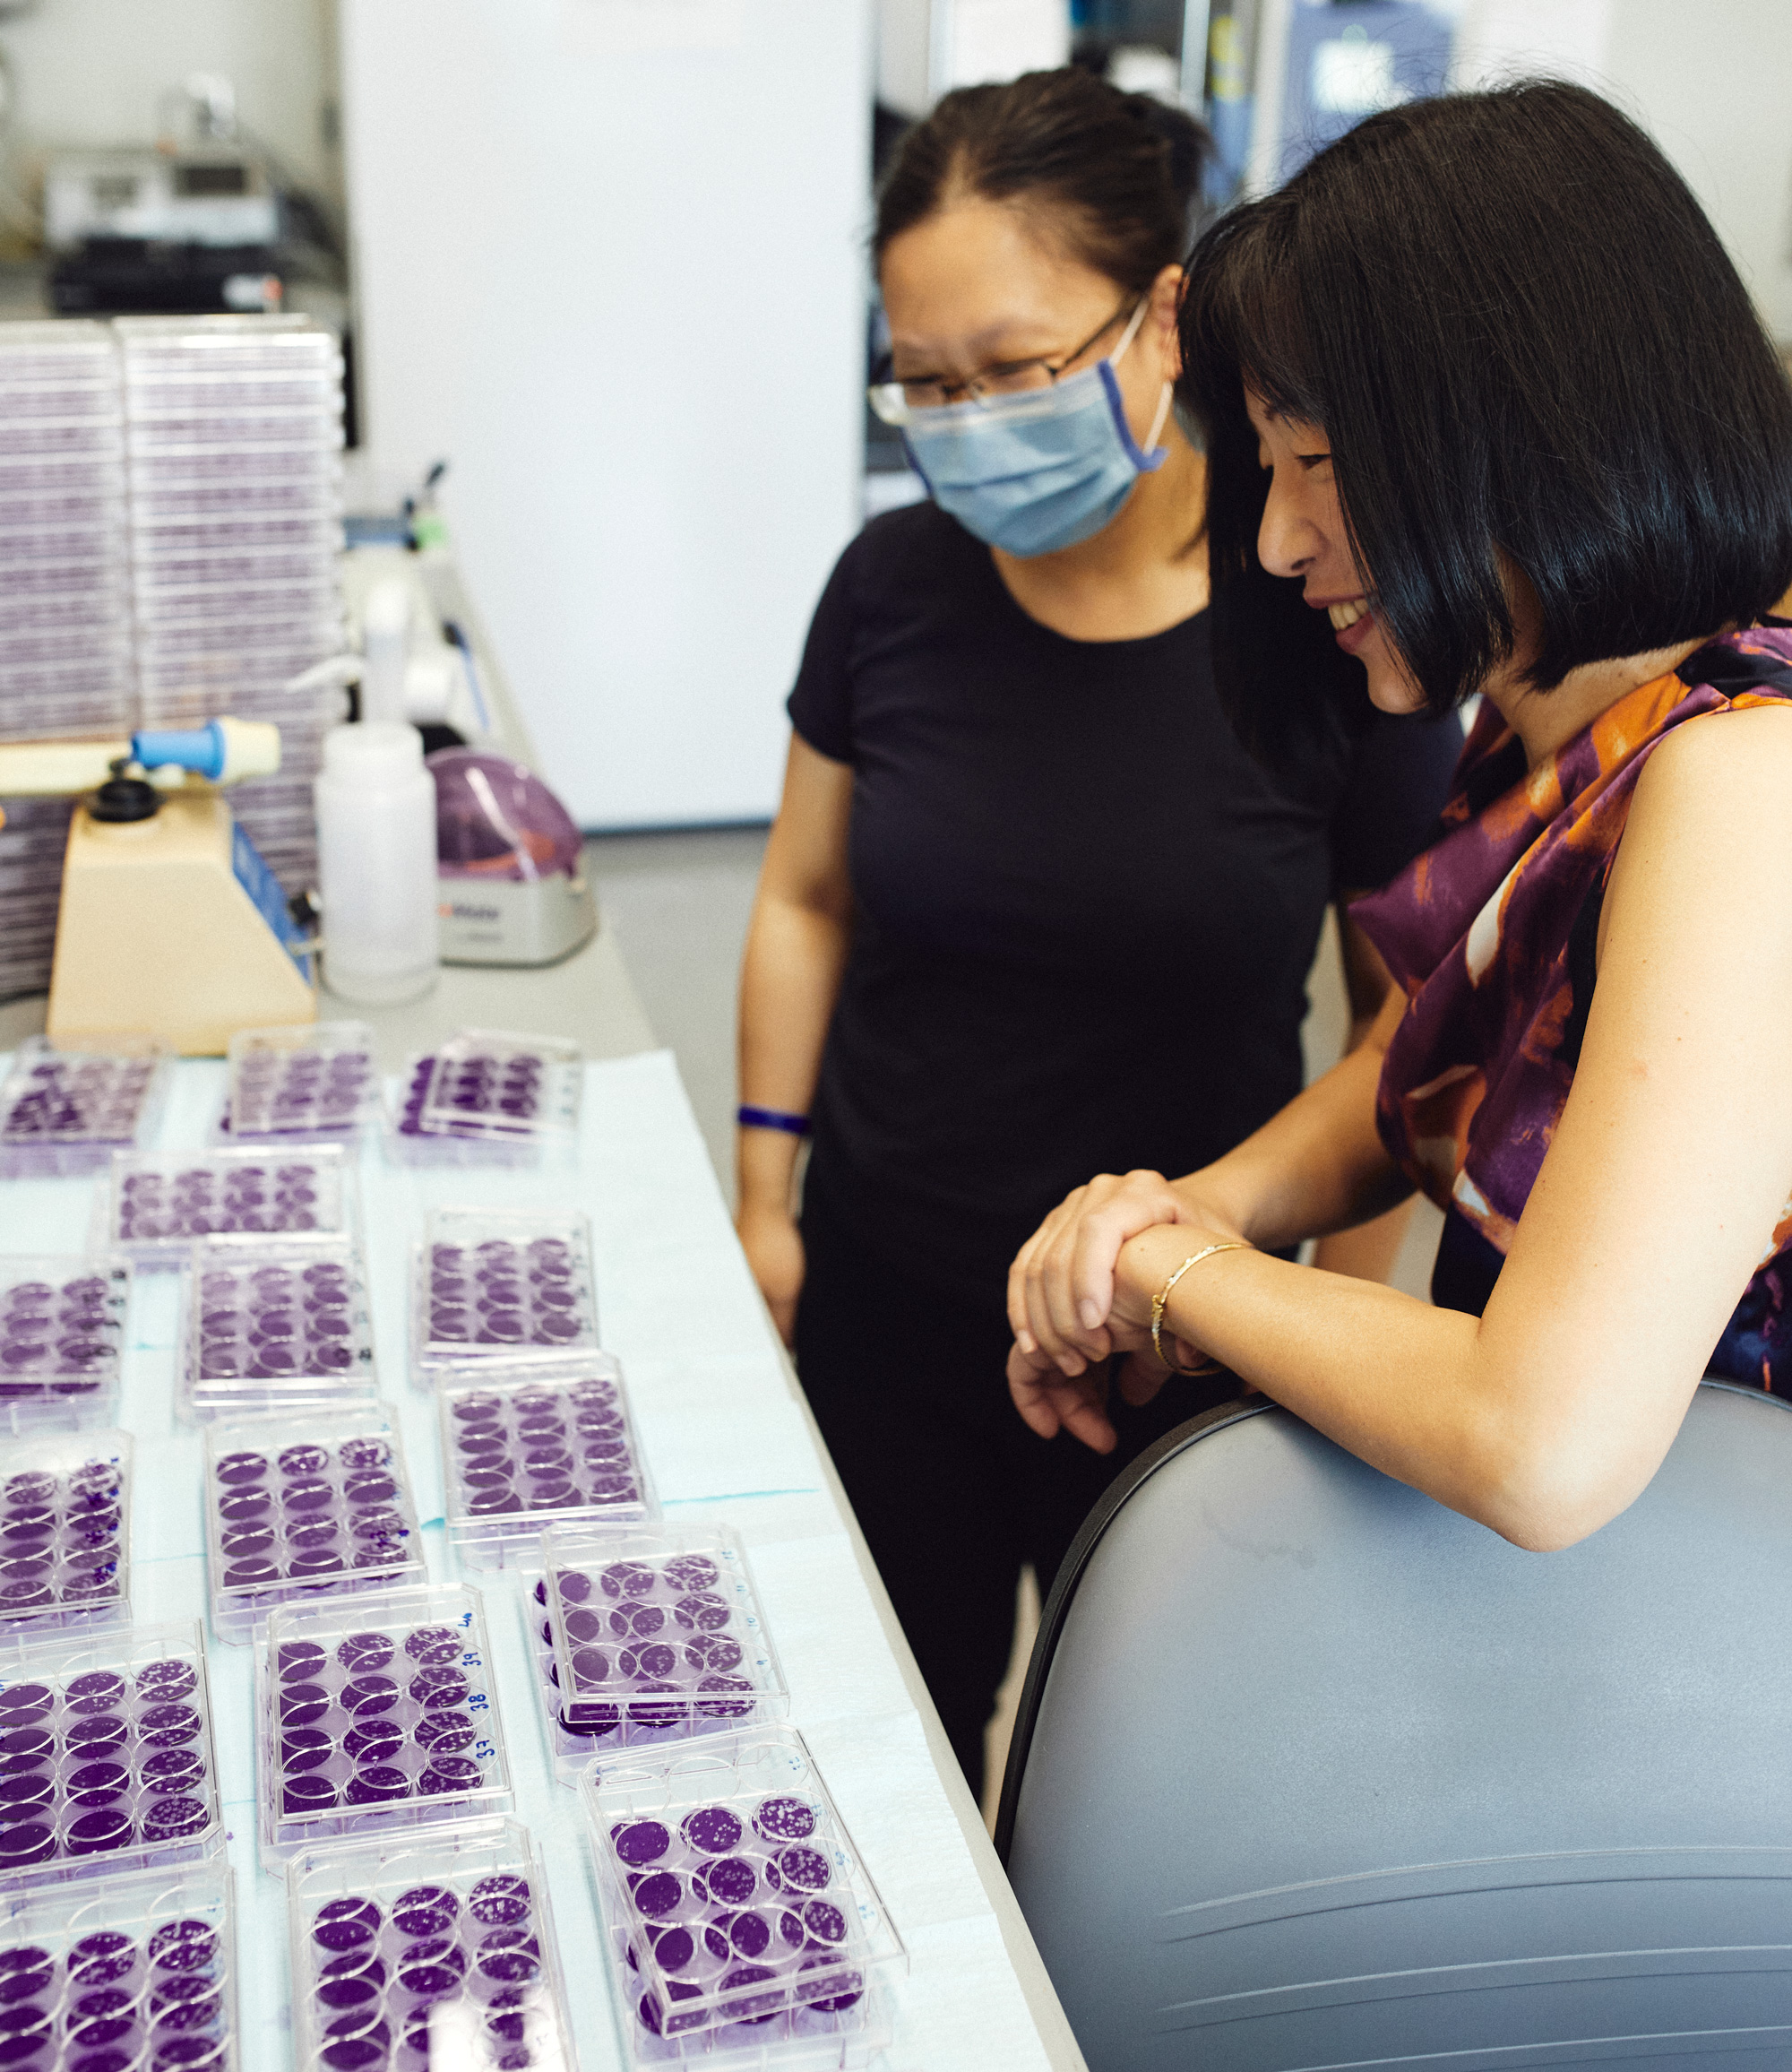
[(1367, 1252), (1664, 1182), (796, 950)]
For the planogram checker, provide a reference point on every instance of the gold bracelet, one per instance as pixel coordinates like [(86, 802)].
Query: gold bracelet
[(1161, 1302)]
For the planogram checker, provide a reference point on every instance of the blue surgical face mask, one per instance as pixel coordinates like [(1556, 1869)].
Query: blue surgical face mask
[(1037, 471)]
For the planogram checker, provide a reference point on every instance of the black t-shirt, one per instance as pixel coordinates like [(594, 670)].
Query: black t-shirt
[(1083, 917)]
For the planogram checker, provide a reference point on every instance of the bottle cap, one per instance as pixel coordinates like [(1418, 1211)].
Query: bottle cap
[(373, 752)]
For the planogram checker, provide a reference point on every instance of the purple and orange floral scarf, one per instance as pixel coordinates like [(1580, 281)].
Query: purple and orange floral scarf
[(1491, 933)]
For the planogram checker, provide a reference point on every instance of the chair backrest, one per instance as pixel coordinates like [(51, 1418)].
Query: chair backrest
[(1313, 1773)]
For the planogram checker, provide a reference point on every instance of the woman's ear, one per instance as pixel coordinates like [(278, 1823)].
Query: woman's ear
[(1166, 300)]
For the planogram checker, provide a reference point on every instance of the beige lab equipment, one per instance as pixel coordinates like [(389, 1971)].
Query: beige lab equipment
[(170, 921)]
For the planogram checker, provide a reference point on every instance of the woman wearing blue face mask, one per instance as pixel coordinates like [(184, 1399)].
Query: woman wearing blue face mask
[(1011, 777)]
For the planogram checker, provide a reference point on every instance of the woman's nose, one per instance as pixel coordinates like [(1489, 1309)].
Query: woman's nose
[(1288, 542)]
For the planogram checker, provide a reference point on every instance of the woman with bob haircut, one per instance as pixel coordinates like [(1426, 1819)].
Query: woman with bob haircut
[(1488, 409)]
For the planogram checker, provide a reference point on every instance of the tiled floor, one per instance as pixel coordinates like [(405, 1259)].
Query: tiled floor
[(679, 904)]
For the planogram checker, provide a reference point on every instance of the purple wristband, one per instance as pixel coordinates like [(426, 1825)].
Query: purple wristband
[(772, 1118)]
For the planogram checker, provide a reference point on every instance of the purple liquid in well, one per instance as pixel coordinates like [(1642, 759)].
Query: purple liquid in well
[(499, 1901), (784, 1819), (641, 1842)]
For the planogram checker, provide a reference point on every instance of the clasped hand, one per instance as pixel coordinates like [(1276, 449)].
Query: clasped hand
[(1072, 1305)]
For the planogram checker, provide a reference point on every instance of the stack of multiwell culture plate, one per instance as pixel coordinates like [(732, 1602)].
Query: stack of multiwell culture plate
[(65, 598), (235, 432)]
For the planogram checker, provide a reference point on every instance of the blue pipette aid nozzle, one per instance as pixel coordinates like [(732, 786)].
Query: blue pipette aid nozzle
[(200, 750)]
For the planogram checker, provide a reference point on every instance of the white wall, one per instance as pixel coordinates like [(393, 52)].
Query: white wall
[(926, 48), (1711, 83), (609, 260), (1714, 86), (1566, 39), (90, 72)]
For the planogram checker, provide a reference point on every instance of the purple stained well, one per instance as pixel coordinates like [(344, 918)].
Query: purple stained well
[(305, 1795), (101, 1735), (801, 1868), (93, 1834), (26, 1843), (378, 1784), (499, 1901), (324, 1489), (304, 1749), (183, 1946), (641, 1842), (171, 1770), (376, 1741), (730, 1882), (303, 1704), (367, 1697), (425, 1910), (713, 1829), (433, 1644), (346, 1924), (780, 1818), (835, 1990), (169, 1726), (660, 1894), (102, 1958), (450, 1775), (447, 1733), (167, 1819)]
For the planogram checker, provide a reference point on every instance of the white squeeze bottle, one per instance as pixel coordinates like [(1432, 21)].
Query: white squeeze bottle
[(377, 864)]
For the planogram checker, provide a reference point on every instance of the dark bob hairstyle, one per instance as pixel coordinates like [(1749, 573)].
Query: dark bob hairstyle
[(1520, 335), (1116, 175)]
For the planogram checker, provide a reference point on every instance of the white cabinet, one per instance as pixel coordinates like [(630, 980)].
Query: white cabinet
[(609, 260)]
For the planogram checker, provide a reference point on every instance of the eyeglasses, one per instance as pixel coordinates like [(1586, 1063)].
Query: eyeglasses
[(895, 401)]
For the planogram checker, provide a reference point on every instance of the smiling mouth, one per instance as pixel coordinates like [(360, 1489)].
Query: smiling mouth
[(1346, 615)]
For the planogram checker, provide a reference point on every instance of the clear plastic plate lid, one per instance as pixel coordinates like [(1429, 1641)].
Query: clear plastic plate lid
[(137, 1970), (295, 1505), (432, 1953), (490, 1082), (283, 1323), (526, 1445), (733, 1892), (491, 1285), (110, 1741), (376, 1714), (159, 1205), (61, 1328), (66, 1530), (310, 1080), (659, 1636), (84, 1101)]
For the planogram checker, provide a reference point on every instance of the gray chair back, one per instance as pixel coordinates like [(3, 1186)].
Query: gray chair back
[(1314, 1773)]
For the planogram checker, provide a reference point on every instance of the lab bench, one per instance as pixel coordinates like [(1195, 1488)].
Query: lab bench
[(730, 1442)]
